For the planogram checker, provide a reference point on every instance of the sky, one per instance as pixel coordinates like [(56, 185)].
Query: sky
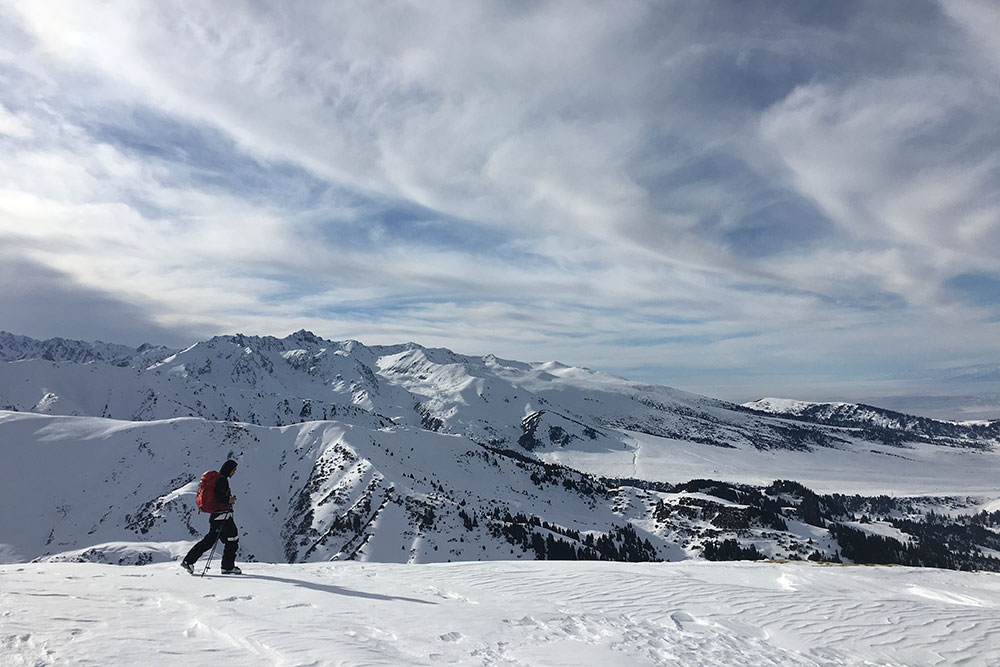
[(741, 199)]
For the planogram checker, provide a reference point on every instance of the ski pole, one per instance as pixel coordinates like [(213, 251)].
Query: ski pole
[(212, 553)]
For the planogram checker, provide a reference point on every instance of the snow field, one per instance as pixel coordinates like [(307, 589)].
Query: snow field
[(498, 613), (920, 469)]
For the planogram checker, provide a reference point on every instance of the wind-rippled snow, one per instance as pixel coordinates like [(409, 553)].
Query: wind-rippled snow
[(499, 613)]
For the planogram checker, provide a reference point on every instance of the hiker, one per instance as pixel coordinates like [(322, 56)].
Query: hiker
[(219, 501)]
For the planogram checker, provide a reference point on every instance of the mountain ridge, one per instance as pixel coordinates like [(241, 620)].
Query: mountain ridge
[(409, 454), (864, 415), (272, 381)]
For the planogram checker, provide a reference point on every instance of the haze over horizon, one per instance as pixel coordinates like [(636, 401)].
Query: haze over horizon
[(766, 199)]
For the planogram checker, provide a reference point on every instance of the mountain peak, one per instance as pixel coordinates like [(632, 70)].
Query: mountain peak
[(414, 453), (306, 336)]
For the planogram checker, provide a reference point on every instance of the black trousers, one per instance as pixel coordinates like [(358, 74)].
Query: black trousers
[(222, 527)]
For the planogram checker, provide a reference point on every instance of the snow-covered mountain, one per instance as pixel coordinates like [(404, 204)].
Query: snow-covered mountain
[(410, 454), (893, 425), (16, 348), (536, 406)]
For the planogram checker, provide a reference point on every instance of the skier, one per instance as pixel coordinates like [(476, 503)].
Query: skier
[(221, 524)]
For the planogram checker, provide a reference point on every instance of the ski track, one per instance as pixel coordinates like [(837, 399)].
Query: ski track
[(499, 614)]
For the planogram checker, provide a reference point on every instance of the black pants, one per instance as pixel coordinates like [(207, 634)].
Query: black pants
[(223, 528)]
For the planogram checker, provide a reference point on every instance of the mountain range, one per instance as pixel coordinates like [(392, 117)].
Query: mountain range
[(405, 453)]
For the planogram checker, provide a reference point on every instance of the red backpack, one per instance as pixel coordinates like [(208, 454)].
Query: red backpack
[(206, 493)]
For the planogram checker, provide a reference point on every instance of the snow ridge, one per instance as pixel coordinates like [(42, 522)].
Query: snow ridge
[(275, 382)]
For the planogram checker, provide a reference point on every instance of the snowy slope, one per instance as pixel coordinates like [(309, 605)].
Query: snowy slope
[(897, 426), (534, 406), (105, 490), (102, 490), (411, 454), (501, 613), (592, 421), (867, 468)]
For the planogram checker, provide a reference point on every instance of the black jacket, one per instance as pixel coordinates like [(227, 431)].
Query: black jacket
[(222, 494)]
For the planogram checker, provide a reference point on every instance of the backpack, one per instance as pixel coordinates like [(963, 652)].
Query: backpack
[(206, 493)]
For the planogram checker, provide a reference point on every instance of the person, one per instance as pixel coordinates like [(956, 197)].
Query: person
[(221, 526)]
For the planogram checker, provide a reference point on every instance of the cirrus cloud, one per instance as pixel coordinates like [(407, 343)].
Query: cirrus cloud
[(775, 194)]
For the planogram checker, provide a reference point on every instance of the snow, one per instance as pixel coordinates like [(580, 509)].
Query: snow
[(880, 528), (784, 405), (992, 506), (353, 487), (920, 469), (275, 382), (498, 613), (326, 490)]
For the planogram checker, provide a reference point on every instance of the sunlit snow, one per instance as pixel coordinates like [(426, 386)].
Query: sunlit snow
[(499, 613)]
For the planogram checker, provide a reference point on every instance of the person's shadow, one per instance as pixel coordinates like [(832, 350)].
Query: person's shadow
[(335, 590)]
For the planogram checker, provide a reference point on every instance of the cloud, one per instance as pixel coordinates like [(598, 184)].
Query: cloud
[(11, 125), (888, 159), (903, 163), (43, 303), (766, 189), (980, 21)]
